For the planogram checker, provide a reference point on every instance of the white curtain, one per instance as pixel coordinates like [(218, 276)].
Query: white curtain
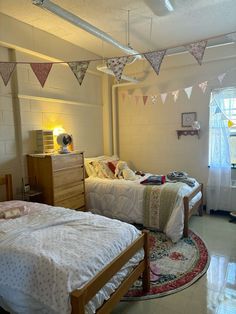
[(219, 180)]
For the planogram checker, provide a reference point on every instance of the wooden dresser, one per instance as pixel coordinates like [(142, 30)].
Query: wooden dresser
[(60, 177)]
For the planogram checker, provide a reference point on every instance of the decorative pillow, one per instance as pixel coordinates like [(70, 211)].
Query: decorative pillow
[(112, 165), (89, 163), (102, 170)]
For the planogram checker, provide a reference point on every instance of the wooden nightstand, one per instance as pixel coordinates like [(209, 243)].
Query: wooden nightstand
[(60, 177)]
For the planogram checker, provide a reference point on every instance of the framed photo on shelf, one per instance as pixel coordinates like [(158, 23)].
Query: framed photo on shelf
[(188, 118)]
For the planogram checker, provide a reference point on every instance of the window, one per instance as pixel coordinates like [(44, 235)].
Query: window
[(226, 110)]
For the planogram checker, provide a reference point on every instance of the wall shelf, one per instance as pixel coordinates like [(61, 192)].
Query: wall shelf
[(188, 132)]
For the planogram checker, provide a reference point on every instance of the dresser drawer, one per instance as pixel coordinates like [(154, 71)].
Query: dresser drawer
[(72, 202), (66, 161), (67, 191), (68, 176)]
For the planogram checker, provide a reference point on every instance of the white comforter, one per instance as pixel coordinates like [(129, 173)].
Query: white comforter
[(52, 251), (123, 199)]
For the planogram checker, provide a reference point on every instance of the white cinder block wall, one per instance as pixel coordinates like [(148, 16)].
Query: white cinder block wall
[(147, 133), (26, 106)]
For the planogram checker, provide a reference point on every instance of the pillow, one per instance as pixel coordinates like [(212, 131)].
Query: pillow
[(112, 165), (102, 170), (89, 166), (13, 212)]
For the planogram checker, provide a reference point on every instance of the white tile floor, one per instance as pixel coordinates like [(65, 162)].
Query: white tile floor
[(215, 292)]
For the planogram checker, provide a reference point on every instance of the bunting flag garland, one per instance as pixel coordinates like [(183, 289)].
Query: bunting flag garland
[(163, 97), (117, 66), (145, 98), (6, 70), (218, 110), (79, 69), (155, 59), (188, 91), (230, 123), (175, 94), (221, 77), (136, 99), (41, 70), (154, 99), (203, 86), (197, 50)]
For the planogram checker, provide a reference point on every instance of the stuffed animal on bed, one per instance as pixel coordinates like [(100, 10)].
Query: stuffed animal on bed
[(124, 172)]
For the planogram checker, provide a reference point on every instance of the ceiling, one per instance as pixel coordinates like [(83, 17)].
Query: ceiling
[(190, 21)]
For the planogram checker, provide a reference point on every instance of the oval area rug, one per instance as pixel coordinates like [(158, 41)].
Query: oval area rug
[(173, 266)]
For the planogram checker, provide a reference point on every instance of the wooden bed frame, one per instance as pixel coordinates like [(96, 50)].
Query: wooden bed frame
[(197, 206), (80, 297)]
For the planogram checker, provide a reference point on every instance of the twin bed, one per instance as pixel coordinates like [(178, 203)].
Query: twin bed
[(56, 260)]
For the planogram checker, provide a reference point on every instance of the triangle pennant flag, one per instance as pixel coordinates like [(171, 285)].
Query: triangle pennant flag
[(154, 99), (41, 70), (155, 59), (79, 69), (188, 91), (197, 49), (136, 99), (6, 70), (221, 77), (218, 110), (175, 95), (117, 66), (145, 98), (203, 86), (230, 123), (163, 97)]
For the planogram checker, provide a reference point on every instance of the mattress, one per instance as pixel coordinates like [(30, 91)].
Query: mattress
[(123, 199), (51, 251)]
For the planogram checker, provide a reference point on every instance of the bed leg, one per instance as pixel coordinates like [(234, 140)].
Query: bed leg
[(146, 273), (200, 209), (186, 216)]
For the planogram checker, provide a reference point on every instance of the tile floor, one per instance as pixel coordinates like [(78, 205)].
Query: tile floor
[(215, 292)]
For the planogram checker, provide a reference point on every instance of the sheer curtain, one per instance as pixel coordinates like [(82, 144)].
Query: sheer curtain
[(219, 180)]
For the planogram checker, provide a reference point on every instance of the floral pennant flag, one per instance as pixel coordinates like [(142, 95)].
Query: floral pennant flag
[(218, 110), (154, 99), (155, 59), (163, 97), (136, 98), (221, 77), (203, 86), (41, 70), (145, 98), (175, 95), (197, 50), (188, 91), (117, 66), (79, 69), (6, 70)]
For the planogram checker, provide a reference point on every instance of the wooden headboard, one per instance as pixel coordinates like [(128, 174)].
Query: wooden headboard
[(7, 181)]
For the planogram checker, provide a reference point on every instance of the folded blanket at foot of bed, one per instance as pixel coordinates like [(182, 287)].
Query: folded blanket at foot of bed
[(159, 202)]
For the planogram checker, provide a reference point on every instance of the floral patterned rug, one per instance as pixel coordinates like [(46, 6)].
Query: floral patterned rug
[(173, 267)]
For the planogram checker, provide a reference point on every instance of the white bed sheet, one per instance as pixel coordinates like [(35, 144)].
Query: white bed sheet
[(50, 252), (123, 199)]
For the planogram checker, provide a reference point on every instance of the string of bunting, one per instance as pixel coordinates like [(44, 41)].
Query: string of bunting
[(175, 94), (224, 117), (116, 64)]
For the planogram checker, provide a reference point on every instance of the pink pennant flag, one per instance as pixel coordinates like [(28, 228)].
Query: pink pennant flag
[(188, 91), (175, 95), (154, 99), (197, 49), (163, 97), (6, 70), (117, 66), (221, 77), (79, 69), (203, 86), (41, 70), (155, 59), (145, 98), (136, 99)]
